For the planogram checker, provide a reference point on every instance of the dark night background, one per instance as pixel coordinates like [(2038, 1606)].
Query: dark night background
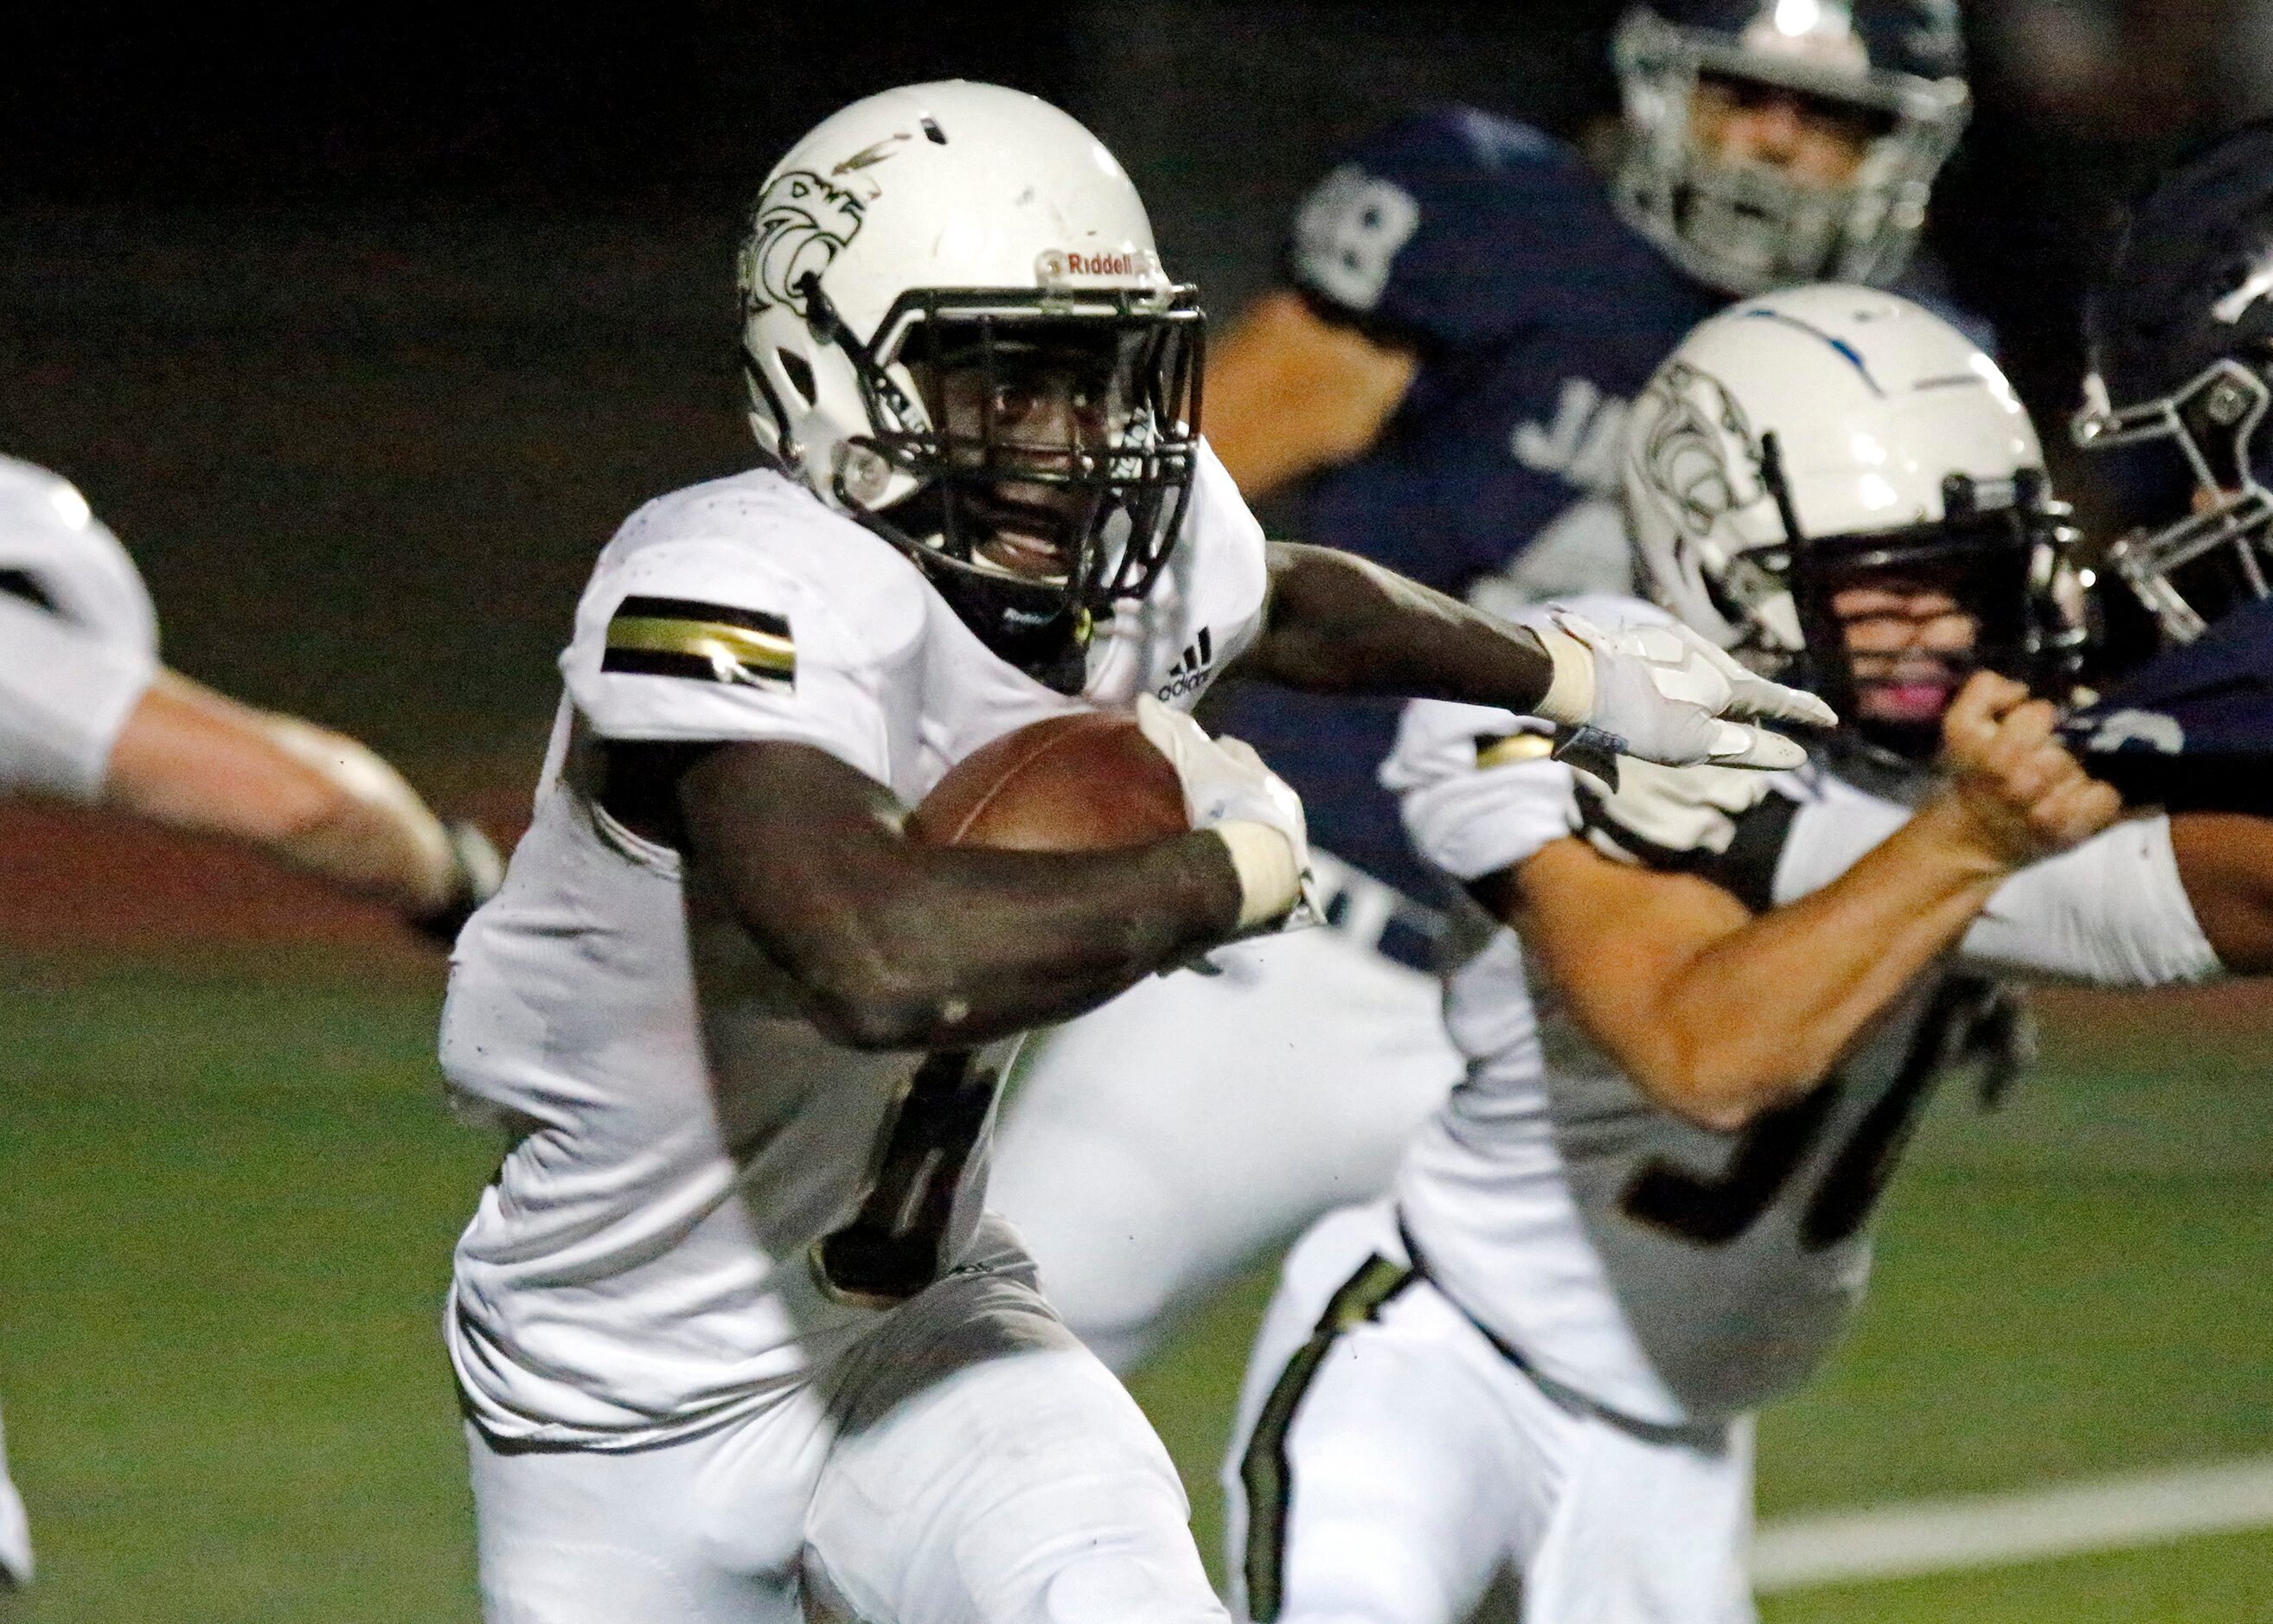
[(364, 328)]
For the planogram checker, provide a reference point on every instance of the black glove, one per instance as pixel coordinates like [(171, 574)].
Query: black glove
[(476, 872)]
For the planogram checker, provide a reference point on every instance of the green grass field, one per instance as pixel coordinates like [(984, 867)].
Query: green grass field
[(231, 1190)]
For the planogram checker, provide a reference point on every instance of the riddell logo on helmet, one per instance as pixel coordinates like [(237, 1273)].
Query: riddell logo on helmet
[(1078, 264), (1063, 264)]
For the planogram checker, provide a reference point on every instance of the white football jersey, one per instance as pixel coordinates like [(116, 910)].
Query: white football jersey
[(650, 1257), (1665, 1272), (78, 640)]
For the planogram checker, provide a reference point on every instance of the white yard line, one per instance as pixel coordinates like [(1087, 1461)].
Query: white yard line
[(1991, 1530)]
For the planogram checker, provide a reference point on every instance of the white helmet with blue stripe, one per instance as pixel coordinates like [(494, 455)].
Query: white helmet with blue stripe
[(1807, 439)]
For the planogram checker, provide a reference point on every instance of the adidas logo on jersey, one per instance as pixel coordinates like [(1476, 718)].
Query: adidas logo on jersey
[(1191, 670)]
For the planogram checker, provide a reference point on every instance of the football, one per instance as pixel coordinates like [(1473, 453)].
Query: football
[(1090, 782)]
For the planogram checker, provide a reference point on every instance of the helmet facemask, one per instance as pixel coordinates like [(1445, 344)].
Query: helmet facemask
[(2194, 448), (1032, 451), (1997, 557), (1744, 226)]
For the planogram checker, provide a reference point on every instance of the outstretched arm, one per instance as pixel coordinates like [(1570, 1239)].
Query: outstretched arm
[(1289, 391), (1338, 624), (312, 799), (896, 945), (1718, 1015), (99, 724)]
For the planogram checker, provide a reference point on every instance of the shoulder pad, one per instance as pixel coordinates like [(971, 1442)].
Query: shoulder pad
[(748, 584), (1722, 824), (698, 543)]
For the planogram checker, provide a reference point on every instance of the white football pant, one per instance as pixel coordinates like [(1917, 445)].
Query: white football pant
[(1389, 1461), (15, 1529), (1156, 1146), (968, 1463)]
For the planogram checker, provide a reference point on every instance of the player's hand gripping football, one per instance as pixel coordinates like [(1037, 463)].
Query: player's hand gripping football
[(1664, 694), (2014, 794), (1228, 789)]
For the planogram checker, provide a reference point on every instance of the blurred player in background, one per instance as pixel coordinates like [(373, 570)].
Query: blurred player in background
[(90, 717), (733, 1331), (1469, 306), (2180, 328), (1705, 1010)]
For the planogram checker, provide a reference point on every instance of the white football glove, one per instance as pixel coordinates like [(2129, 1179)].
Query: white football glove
[(1228, 791), (1664, 694)]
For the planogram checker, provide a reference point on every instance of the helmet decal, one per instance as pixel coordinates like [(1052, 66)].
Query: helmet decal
[(1684, 451), (800, 226), (876, 151)]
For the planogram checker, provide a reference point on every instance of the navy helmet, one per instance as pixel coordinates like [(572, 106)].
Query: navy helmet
[(1891, 73), (2179, 329)]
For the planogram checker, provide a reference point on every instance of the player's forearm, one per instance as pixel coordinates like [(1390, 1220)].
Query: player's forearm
[(896, 945), (1338, 624), (374, 835), (1289, 392), (1761, 1015), (972, 945), (313, 800)]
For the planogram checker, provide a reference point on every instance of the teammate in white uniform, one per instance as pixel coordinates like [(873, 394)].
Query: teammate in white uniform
[(1465, 310), (734, 1332), (1706, 1007), (88, 715)]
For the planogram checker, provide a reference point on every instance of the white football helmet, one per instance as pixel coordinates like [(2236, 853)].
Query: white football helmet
[(1822, 436), (1893, 69), (967, 228)]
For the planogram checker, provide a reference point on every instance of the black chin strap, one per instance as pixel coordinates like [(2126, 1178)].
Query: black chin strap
[(1780, 488)]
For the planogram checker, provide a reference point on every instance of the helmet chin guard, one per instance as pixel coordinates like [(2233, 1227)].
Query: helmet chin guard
[(964, 243), (1998, 553), (2180, 327)]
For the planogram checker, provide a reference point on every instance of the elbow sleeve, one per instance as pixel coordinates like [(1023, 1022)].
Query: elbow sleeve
[(2112, 912)]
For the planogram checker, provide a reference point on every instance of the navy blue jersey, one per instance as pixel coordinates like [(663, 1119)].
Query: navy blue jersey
[(1492, 251), (2193, 729)]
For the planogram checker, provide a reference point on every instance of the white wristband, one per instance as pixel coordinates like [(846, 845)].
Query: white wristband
[(1270, 883), (1570, 697)]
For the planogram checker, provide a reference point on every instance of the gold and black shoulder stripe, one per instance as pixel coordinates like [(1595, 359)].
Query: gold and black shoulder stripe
[(707, 643), (1500, 750)]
